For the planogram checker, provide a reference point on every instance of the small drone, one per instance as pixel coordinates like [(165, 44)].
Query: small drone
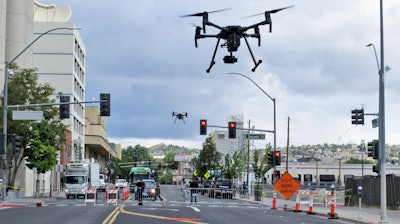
[(180, 116), (232, 35)]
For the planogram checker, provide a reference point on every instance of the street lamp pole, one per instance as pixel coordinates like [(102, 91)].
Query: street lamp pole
[(382, 150), (273, 100), (5, 106)]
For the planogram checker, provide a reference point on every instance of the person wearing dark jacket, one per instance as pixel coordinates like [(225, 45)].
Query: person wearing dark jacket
[(140, 188), (194, 185)]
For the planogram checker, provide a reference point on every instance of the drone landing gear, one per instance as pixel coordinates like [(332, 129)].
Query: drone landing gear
[(256, 64), (213, 57)]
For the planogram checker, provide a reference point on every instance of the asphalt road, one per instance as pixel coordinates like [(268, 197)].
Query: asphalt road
[(171, 210)]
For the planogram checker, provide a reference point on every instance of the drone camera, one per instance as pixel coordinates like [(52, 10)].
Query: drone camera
[(230, 59)]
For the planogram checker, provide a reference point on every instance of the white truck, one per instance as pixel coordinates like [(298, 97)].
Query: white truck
[(79, 177)]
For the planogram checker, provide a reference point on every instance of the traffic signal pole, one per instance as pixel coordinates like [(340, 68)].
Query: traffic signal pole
[(382, 124)]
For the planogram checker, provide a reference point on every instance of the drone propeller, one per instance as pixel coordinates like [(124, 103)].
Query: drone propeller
[(268, 15), (271, 11), (204, 13), (205, 16)]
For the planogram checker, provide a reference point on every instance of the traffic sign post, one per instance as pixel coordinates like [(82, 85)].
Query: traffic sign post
[(286, 186)]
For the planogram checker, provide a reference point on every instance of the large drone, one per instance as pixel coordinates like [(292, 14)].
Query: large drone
[(232, 35), (179, 116)]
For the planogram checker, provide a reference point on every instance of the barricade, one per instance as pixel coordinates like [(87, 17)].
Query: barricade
[(112, 195), (299, 193), (125, 193), (91, 196)]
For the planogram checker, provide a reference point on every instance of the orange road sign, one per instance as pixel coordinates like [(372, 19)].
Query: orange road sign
[(286, 186)]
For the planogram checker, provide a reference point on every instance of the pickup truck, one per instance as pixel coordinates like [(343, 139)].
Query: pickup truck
[(223, 188)]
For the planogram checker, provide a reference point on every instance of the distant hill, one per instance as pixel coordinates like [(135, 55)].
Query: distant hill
[(164, 149)]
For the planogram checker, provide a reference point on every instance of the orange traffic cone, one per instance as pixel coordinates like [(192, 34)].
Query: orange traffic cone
[(297, 208), (274, 201)]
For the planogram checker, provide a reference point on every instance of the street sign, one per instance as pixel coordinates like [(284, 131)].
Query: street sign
[(207, 175), (286, 186), (27, 115), (375, 123), (254, 136)]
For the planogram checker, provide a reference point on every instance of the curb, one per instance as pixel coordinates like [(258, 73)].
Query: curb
[(13, 205)]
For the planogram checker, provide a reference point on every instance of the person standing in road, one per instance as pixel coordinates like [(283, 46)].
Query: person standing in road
[(140, 188), (194, 185), (158, 192)]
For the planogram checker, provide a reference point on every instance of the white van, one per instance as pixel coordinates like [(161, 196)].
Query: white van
[(102, 186)]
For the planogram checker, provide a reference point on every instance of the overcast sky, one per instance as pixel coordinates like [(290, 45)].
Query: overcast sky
[(315, 63)]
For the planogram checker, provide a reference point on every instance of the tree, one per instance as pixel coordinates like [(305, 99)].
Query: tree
[(260, 168), (129, 155), (209, 157), (234, 165), (47, 135)]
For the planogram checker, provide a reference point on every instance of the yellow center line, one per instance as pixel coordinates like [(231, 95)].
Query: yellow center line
[(113, 215), (158, 217)]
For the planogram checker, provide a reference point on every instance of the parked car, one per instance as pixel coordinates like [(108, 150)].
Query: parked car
[(121, 183)]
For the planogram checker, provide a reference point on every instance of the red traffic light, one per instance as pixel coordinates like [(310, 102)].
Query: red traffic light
[(232, 124), (277, 154), (203, 123)]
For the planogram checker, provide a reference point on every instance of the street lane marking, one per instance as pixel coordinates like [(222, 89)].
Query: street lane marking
[(185, 220), (113, 215)]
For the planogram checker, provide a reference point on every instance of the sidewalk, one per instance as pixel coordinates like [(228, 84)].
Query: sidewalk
[(365, 215), (20, 202)]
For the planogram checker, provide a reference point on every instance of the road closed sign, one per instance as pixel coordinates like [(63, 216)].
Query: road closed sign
[(286, 186)]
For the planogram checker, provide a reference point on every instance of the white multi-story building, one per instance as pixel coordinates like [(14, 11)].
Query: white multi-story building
[(226, 145), (60, 59)]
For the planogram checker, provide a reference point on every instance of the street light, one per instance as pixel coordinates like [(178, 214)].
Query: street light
[(381, 122), (273, 100), (5, 109)]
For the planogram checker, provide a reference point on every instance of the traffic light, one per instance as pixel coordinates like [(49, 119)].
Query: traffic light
[(277, 158), (357, 116), (271, 158), (203, 127), (373, 149), (104, 104), (370, 150), (16, 143), (376, 169), (64, 108), (232, 129)]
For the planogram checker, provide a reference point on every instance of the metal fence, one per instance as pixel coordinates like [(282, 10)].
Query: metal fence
[(371, 190)]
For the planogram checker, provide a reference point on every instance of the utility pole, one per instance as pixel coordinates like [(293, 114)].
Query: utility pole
[(248, 157), (287, 145)]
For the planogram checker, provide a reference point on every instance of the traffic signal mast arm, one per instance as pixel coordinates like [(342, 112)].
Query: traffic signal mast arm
[(246, 129), (52, 104)]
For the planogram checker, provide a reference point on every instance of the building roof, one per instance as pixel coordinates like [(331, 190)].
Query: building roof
[(51, 13)]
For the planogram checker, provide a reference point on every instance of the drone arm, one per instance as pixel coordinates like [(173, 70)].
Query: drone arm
[(256, 64), (215, 25), (213, 57)]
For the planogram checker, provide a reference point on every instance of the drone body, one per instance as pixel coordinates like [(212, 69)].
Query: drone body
[(232, 36), (179, 116)]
